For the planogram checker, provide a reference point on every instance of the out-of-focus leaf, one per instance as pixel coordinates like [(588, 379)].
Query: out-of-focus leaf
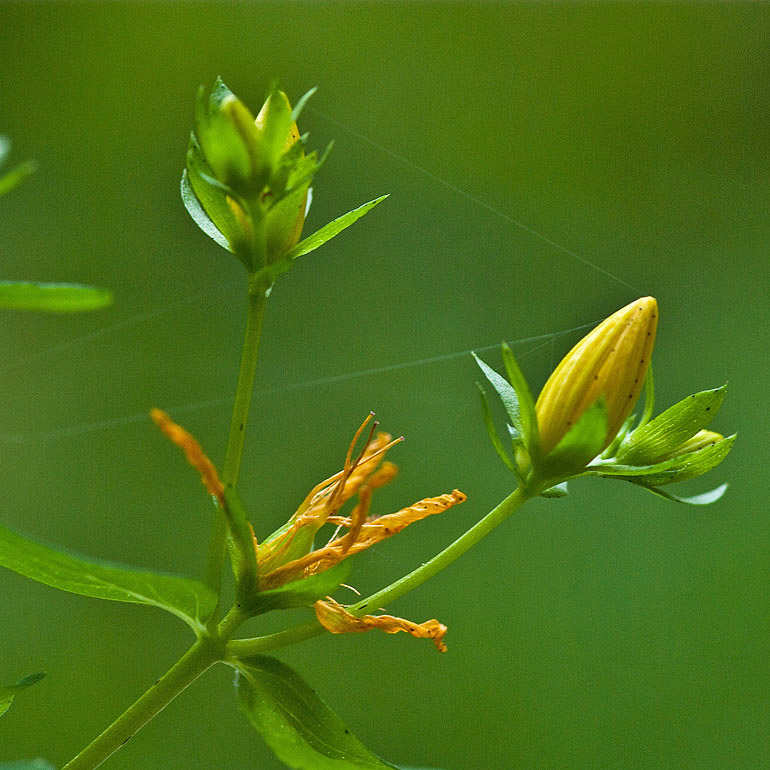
[(8, 692), (16, 176), (188, 599), (27, 764), (52, 297)]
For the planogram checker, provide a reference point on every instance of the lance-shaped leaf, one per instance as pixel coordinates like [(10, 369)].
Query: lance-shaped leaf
[(52, 297), (507, 395), (295, 722), (8, 692), (494, 436), (188, 599), (327, 232), (662, 435)]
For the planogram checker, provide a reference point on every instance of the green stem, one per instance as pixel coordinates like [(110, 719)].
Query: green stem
[(517, 498), (232, 463), (200, 657)]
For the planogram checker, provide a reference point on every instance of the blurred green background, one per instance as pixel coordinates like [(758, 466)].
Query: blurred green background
[(606, 630)]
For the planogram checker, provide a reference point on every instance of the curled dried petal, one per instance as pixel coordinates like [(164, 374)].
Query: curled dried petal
[(337, 620), (193, 452)]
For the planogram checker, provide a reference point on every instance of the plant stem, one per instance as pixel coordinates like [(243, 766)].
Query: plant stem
[(201, 656), (517, 498), (232, 463)]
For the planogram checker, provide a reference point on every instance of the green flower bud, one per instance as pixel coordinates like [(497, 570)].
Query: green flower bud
[(700, 440), (610, 363)]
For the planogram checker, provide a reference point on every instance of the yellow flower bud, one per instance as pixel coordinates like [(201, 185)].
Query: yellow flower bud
[(288, 217), (610, 362), (701, 440)]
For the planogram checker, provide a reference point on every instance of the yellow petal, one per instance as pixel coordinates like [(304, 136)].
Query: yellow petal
[(337, 620), (193, 452)]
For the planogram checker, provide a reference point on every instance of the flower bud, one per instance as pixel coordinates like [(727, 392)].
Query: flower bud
[(286, 218), (610, 362), (701, 440)]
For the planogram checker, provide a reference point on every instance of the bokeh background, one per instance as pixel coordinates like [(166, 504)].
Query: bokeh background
[(547, 164)]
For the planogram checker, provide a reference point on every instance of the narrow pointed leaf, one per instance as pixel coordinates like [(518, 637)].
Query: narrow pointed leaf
[(506, 392), (52, 297), (705, 498), (327, 232), (494, 437), (299, 727), (188, 599), (526, 402)]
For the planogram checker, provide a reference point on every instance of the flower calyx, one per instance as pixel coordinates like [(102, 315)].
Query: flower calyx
[(247, 181)]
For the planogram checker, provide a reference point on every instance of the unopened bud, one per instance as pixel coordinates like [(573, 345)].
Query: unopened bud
[(610, 362)]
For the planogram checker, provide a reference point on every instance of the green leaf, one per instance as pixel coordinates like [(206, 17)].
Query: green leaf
[(494, 437), (507, 394), (52, 297), (8, 692), (327, 232), (705, 498), (16, 176), (302, 593), (199, 216), (526, 403), (671, 428), (27, 764), (188, 599), (581, 443), (299, 727), (558, 490), (5, 148)]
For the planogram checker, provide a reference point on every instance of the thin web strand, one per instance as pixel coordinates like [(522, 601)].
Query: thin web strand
[(543, 340), (464, 194)]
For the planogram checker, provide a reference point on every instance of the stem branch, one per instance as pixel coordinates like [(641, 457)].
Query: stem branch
[(201, 656), (232, 463)]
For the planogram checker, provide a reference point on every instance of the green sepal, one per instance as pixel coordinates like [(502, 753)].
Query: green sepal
[(8, 692), (276, 127), (685, 466), (199, 215), (671, 428), (705, 498), (188, 599), (527, 413), (582, 442), (558, 490), (27, 764), (494, 437), (330, 230), (302, 593), (52, 297), (622, 433), (300, 728), (300, 105)]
